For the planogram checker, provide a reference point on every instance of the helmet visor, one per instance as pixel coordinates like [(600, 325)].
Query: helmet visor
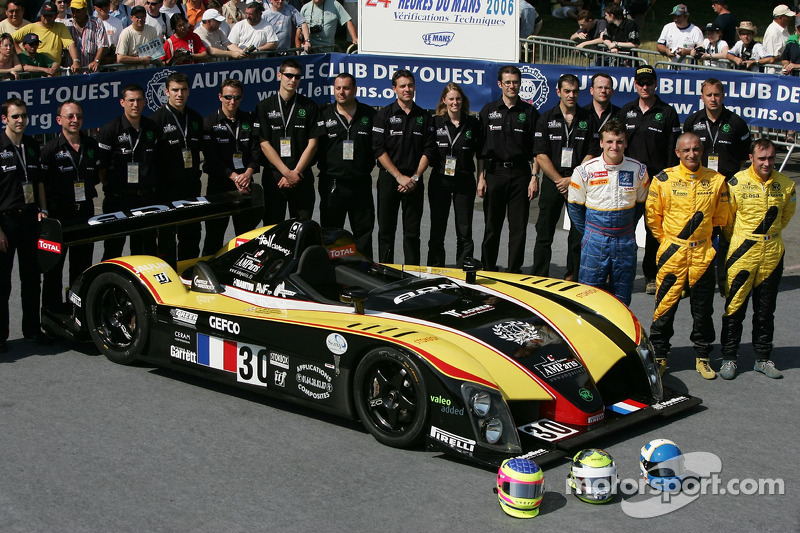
[(595, 485), (528, 491)]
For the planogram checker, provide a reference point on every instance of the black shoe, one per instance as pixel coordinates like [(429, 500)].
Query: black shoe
[(40, 338), (3, 347)]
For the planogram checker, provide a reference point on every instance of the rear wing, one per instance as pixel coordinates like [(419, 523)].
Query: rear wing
[(53, 238)]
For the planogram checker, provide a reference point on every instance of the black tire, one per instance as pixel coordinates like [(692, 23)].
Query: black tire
[(116, 316), (390, 397)]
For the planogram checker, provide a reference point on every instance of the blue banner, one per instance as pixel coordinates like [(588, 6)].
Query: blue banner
[(762, 100)]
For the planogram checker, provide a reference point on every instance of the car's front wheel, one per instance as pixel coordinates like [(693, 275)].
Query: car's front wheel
[(116, 316), (390, 397)]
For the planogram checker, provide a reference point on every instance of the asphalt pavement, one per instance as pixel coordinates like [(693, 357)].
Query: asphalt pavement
[(88, 445)]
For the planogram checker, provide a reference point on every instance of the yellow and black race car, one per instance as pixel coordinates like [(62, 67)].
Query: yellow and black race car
[(482, 365)]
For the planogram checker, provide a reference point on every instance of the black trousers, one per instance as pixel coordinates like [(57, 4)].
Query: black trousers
[(765, 298), (701, 301), (300, 199), (389, 202), (349, 198), (443, 191), (80, 256), (22, 231), (551, 203), (506, 192), (143, 242)]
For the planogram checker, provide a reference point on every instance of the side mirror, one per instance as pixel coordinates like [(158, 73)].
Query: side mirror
[(355, 297), (471, 267)]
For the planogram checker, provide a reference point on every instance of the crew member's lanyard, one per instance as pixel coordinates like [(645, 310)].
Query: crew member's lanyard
[(713, 157), (348, 145), (450, 161), (286, 141), (133, 166), (27, 186), (185, 152), (566, 150), (78, 187), (238, 161)]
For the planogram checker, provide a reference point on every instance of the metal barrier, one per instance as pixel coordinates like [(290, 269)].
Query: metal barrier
[(688, 66), (552, 51)]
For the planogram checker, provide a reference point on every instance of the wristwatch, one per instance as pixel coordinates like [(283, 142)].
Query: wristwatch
[(415, 178)]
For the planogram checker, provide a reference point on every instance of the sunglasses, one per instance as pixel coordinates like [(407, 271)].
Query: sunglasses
[(648, 83), (291, 76), (234, 97), (72, 116)]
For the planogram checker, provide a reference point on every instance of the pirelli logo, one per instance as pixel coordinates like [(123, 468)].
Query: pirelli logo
[(454, 441), (603, 181), (574, 185)]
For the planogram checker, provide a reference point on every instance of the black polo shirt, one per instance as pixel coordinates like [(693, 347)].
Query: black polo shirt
[(599, 121), (222, 138), (651, 135), (508, 132), (18, 165), (298, 119), (461, 142), (728, 138), (331, 162), (178, 131), (553, 135), (405, 137), (120, 144), (625, 32), (63, 168)]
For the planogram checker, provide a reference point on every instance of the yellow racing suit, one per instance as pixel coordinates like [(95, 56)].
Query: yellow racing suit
[(681, 211), (759, 211)]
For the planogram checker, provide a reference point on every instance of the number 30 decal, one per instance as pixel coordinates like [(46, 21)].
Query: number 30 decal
[(548, 430), (252, 364)]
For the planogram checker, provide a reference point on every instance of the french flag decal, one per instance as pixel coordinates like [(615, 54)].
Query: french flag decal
[(626, 407), (216, 353)]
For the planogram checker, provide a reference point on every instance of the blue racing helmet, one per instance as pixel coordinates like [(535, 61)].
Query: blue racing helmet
[(520, 487), (662, 465)]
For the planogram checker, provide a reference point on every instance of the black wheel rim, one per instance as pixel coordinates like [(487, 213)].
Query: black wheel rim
[(115, 316), (392, 397)]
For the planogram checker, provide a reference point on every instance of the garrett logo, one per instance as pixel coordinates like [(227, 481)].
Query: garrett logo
[(49, 246), (439, 39)]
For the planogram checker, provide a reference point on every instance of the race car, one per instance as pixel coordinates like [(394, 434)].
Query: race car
[(481, 365)]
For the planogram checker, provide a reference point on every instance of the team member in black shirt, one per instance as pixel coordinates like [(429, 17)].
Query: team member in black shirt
[(563, 140), (403, 143), (507, 179), (290, 127), (346, 163), (453, 177), (70, 165), (653, 128), (232, 151), (600, 108), (19, 217), (180, 136), (128, 168)]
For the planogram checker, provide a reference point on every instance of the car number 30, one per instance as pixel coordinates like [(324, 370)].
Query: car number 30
[(547, 430), (252, 365)]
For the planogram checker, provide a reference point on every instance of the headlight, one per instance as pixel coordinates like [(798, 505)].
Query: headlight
[(645, 351), (490, 417), (481, 403)]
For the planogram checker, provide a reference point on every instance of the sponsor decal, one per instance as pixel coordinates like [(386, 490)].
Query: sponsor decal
[(251, 364), (184, 354), (279, 360), (224, 324), (602, 181), (446, 405), (336, 343), (585, 394), (180, 315), (595, 419), (149, 267), (239, 242), (249, 263), (669, 403), (548, 430), (439, 39), (466, 313), (75, 299), (516, 331), (534, 453), (293, 230), (280, 378), (246, 285), (314, 382), (147, 210), (552, 367), (342, 251), (49, 246), (626, 407), (600, 174), (182, 336), (202, 283), (269, 242), (162, 278), (452, 440), (424, 290), (282, 291), (625, 178)]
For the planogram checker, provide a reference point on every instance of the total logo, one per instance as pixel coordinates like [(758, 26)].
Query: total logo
[(223, 324), (49, 246)]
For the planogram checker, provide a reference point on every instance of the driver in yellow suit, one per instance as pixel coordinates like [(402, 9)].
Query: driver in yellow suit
[(684, 205), (762, 202)]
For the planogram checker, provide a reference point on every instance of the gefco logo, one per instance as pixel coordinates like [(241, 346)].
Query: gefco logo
[(439, 39), (49, 246), (224, 325)]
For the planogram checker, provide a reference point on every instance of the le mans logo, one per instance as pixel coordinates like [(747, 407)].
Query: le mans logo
[(442, 38), (534, 88)]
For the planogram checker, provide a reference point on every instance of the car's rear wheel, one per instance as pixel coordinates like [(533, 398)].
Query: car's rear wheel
[(390, 397), (116, 316)]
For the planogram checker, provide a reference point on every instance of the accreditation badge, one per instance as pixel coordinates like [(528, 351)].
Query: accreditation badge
[(133, 172), (713, 162), (238, 161), (286, 147), (348, 150), (566, 158), (187, 158), (27, 192), (79, 188), (450, 166)]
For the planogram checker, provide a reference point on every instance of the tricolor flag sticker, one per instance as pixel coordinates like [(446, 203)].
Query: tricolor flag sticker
[(626, 407), (216, 353)]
